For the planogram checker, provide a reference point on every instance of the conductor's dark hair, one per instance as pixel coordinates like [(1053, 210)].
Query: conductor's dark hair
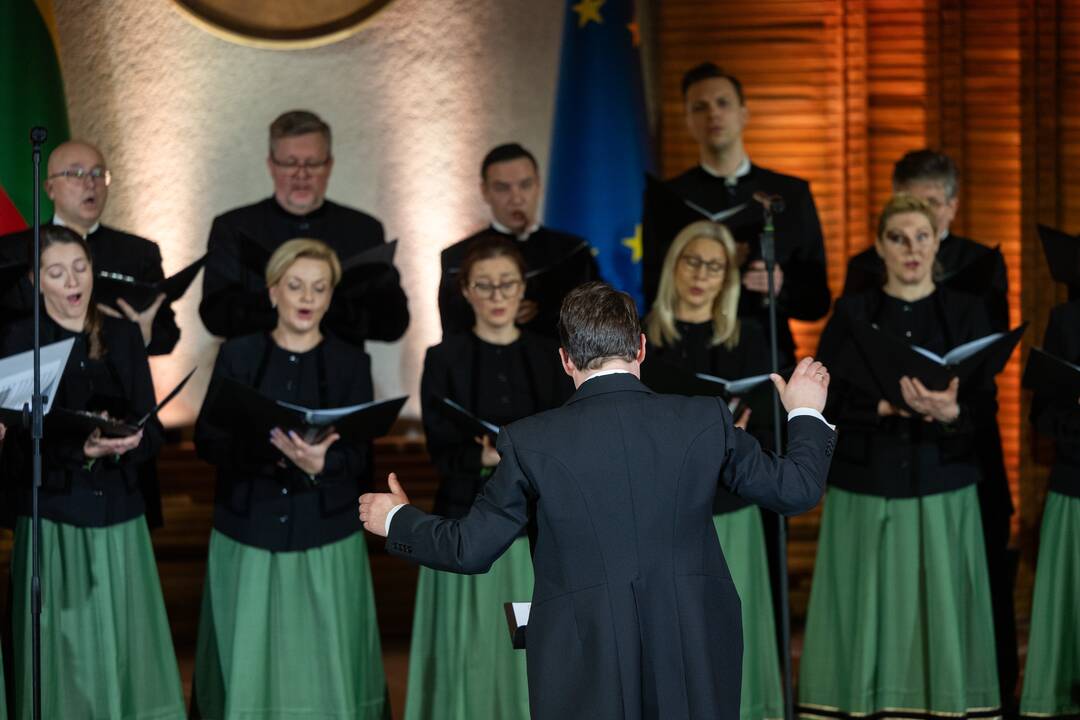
[(298, 122), (929, 165), (487, 246), (706, 71), (505, 153), (58, 235), (598, 323)]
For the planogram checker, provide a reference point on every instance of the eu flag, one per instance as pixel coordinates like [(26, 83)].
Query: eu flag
[(599, 152)]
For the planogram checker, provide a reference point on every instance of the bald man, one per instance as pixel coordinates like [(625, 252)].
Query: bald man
[(77, 181)]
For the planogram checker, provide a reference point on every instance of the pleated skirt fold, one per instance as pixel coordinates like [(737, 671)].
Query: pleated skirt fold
[(105, 642), (289, 636), (461, 663), (742, 538), (899, 621), (1052, 673)]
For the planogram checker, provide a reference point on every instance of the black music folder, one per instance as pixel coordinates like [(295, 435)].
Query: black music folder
[(255, 415), (1062, 254), (467, 421), (1046, 373), (890, 358), (80, 423), (110, 286)]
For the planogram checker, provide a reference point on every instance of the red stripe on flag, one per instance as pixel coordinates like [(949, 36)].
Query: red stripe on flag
[(10, 219)]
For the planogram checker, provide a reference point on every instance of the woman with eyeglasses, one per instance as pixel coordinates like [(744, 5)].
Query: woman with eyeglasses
[(900, 620), (1052, 671), (106, 647), (694, 326), (288, 628), (461, 664)]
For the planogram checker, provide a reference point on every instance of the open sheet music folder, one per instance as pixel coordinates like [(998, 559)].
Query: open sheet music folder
[(17, 379), (110, 286)]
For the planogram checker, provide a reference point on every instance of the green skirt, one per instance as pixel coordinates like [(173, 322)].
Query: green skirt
[(289, 635), (899, 619), (1052, 674), (105, 643), (743, 541), (461, 664)]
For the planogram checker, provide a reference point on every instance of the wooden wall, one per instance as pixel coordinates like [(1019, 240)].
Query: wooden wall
[(839, 89)]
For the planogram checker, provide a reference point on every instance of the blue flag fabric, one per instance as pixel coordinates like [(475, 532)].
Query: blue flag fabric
[(600, 148)]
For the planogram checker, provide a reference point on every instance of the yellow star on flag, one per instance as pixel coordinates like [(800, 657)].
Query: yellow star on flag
[(636, 245), (588, 10)]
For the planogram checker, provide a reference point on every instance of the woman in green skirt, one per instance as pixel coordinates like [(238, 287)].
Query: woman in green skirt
[(1052, 674), (900, 621), (461, 664), (105, 642), (694, 326), (288, 627)]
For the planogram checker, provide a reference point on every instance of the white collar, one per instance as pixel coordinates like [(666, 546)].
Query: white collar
[(605, 372), (742, 171), (57, 220), (507, 231)]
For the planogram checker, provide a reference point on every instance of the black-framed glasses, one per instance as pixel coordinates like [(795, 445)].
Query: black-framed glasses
[(509, 289), (97, 174), (695, 263), (295, 166)]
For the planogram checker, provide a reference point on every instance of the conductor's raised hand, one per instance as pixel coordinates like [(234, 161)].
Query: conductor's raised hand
[(374, 507), (808, 386)]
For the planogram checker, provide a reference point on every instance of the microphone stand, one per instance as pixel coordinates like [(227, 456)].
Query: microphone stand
[(32, 417), (768, 255)]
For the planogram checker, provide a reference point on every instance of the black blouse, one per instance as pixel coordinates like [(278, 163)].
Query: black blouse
[(262, 499), (75, 490), (694, 352), (499, 384), (1059, 416), (894, 456)]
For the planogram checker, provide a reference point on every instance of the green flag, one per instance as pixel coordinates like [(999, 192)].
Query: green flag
[(31, 93)]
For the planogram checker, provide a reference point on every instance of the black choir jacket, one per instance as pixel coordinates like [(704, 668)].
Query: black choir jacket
[(235, 300), (75, 491), (800, 245), (560, 259), (262, 499), (1059, 416), (894, 456), (634, 613), (113, 251), (449, 373)]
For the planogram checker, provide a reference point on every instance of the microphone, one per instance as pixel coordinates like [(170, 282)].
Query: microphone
[(772, 203), (38, 135)]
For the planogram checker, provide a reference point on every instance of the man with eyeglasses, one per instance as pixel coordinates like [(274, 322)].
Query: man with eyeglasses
[(933, 177), (235, 301), (726, 181), (77, 181), (557, 262)]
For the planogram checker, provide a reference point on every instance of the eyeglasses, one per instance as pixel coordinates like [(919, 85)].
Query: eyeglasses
[(295, 166), (712, 267), (97, 174), (509, 289)]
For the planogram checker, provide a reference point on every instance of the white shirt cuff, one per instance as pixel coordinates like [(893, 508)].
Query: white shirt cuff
[(390, 516), (790, 416)]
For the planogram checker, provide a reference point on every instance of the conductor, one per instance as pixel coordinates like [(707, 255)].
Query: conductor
[(634, 614)]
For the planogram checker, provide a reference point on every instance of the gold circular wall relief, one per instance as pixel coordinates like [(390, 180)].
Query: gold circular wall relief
[(285, 24)]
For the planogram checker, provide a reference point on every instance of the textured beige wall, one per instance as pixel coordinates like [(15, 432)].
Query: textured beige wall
[(415, 99)]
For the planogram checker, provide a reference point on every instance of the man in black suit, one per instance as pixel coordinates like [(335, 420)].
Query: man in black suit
[(932, 177), (634, 614), (77, 181), (725, 180), (556, 262), (235, 301)]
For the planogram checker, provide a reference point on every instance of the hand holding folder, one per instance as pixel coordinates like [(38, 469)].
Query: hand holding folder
[(82, 423), (110, 287)]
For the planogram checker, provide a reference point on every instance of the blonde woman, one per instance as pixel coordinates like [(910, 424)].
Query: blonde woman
[(288, 624), (694, 326)]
